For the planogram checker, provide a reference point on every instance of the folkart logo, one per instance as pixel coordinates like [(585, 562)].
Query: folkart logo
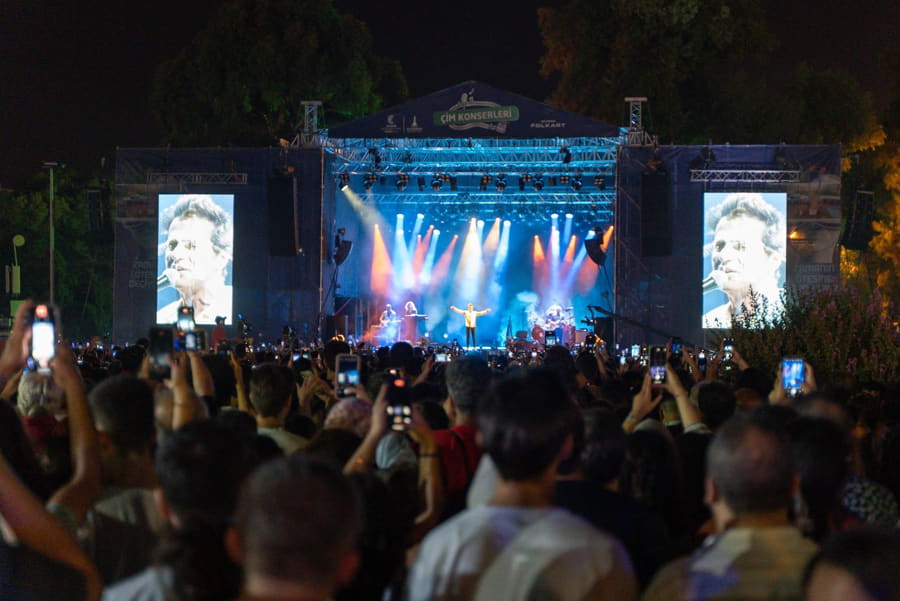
[(469, 113)]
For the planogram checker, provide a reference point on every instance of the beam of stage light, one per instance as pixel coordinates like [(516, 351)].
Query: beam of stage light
[(432, 238), (539, 265), (422, 243), (468, 270), (567, 228), (554, 256), (574, 270), (417, 229), (367, 214), (442, 267), (480, 224), (404, 278), (382, 269), (493, 239), (502, 248)]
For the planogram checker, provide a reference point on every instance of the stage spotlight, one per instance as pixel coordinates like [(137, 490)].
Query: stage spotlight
[(485, 180), (501, 182), (402, 181), (421, 182), (600, 182), (522, 182), (576, 183), (551, 181), (345, 181), (566, 155), (436, 182), (538, 182), (369, 180), (563, 180), (452, 183)]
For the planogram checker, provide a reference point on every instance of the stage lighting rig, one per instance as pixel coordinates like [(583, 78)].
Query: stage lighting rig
[(369, 180), (485, 180), (501, 182), (344, 178), (563, 180), (576, 182), (376, 157), (566, 155), (402, 181), (436, 182), (600, 182), (538, 182)]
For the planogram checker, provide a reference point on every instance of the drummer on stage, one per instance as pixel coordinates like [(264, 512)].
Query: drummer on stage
[(471, 316)]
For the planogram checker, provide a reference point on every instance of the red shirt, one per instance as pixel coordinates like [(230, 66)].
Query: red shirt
[(459, 456)]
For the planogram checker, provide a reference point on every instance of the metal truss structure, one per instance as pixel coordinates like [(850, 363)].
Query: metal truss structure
[(749, 174), (180, 179), (490, 177)]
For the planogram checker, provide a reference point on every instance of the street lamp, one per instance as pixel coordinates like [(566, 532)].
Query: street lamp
[(51, 165), (16, 288)]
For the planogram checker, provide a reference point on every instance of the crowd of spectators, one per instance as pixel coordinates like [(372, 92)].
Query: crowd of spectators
[(248, 475)]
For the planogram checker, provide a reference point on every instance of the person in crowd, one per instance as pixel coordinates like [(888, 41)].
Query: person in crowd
[(757, 553), (857, 565), (519, 546), (295, 531), (591, 491), (198, 253), (201, 468), (748, 251), (271, 389), (468, 380), (218, 334)]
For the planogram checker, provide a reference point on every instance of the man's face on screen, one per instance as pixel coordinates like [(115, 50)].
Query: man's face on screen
[(740, 254), (191, 253)]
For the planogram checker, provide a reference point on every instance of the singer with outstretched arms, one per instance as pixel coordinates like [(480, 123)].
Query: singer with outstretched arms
[(197, 255), (471, 316)]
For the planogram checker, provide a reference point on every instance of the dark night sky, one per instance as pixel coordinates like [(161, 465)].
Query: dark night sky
[(74, 76)]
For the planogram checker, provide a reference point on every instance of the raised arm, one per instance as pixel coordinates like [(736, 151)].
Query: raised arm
[(485, 312), (82, 490), (455, 310)]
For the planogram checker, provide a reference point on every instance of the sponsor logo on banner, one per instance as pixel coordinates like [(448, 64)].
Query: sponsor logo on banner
[(469, 113), (413, 127), (547, 124), (391, 126)]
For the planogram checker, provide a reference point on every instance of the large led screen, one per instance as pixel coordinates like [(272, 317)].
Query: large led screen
[(743, 255), (194, 258)]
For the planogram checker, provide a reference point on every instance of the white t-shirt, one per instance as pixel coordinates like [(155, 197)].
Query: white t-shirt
[(519, 554)]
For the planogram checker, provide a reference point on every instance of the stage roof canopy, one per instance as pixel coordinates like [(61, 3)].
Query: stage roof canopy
[(473, 110)]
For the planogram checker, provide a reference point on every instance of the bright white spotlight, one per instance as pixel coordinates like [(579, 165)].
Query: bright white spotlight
[(570, 216)]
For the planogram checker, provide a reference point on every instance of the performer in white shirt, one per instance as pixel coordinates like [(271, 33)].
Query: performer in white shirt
[(471, 316)]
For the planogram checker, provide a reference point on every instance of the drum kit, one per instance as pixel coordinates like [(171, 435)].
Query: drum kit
[(556, 327)]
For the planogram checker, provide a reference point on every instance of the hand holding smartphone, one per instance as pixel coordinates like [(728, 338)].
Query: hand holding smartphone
[(657, 364), (161, 345), (399, 408), (43, 337), (793, 375), (346, 374)]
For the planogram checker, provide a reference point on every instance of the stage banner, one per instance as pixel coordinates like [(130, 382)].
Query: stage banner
[(474, 110)]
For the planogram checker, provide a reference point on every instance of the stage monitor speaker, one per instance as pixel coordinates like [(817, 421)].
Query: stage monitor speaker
[(284, 235), (656, 215)]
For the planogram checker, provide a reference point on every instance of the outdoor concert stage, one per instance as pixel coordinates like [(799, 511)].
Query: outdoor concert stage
[(469, 195)]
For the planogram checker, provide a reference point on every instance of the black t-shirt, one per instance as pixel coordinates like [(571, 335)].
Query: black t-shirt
[(26, 575)]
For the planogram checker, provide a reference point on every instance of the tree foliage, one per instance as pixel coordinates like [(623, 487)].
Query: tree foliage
[(241, 81), (682, 55), (83, 258)]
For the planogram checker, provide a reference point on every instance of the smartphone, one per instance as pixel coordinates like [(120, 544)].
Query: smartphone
[(191, 341), (635, 350), (727, 349), (623, 360), (658, 364), (296, 357), (346, 374), (442, 357), (186, 319), (793, 374), (161, 344), (701, 361), (399, 408), (43, 337), (677, 348)]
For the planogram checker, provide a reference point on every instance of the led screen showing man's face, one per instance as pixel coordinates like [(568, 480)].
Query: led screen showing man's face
[(744, 255), (196, 239)]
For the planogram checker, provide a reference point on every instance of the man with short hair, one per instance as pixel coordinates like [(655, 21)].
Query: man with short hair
[(271, 387), (757, 553), (748, 251), (295, 531), (471, 316), (468, 380), (519, 546), (198, 251)]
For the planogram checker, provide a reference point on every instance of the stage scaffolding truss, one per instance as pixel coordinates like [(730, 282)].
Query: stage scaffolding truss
[(457, 177)]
